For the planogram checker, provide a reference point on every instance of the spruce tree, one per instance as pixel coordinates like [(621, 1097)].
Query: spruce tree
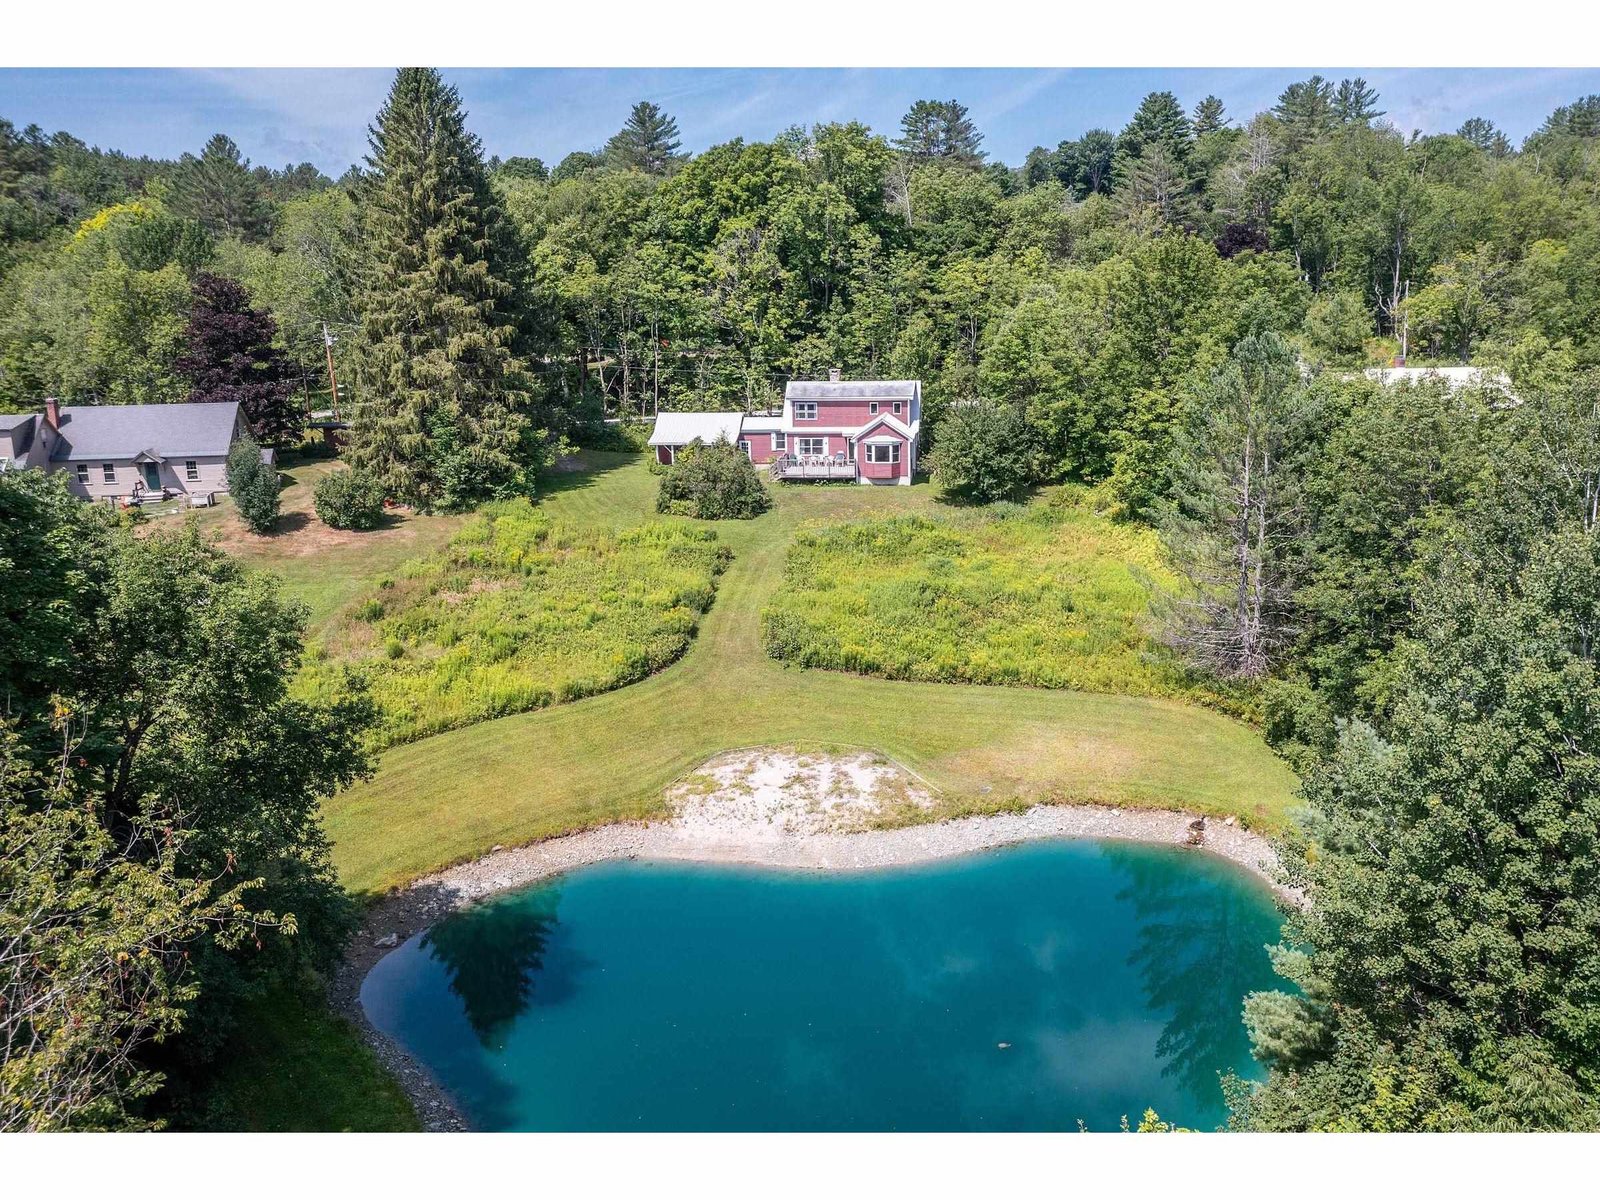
[(443, 401), (648, 142), (218, 190)]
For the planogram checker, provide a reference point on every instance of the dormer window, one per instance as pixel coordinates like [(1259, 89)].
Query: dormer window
[(805, 410)]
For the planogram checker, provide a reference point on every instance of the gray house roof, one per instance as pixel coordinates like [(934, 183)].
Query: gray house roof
[(19, 428), (112, 431), (865, 389)]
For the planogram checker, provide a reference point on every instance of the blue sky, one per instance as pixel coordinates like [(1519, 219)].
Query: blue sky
[(281, 115)]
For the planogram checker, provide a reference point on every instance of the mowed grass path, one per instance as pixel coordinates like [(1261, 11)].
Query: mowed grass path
[(453, 797)]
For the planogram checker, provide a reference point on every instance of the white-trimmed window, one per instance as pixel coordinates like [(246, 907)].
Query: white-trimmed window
[(805, 446), (83, 474), (897, 408), (108, 472), (872, 408), (744, 444), (805, 410), (780, 441), (191, 470), (883, 452)]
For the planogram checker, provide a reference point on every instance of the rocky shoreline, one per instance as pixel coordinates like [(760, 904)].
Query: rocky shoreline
[(407, 912)]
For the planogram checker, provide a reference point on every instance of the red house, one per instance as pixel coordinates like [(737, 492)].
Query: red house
[(864, 430)]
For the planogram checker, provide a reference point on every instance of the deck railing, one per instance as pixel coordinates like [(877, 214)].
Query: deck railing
[(788, 466)]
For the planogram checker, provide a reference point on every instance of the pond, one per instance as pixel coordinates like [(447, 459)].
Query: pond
[(1021, 989)]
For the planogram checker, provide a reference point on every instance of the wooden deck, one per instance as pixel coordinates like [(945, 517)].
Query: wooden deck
[(792, 468)]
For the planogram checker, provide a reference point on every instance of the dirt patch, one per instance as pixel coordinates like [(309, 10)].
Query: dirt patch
[(781, 793)]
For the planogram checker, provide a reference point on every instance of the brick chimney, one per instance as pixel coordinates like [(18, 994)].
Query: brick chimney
[(52, 413), (833, 374)]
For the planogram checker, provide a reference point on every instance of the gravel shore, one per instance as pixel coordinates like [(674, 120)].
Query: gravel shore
[(749, 840)]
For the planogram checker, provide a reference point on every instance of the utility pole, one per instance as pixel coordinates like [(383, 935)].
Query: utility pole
[(333, 383)]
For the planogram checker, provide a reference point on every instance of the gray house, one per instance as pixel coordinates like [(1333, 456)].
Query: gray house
[(127, 451)]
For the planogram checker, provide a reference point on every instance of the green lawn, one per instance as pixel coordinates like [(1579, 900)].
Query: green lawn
[(322, 567), (451, 797), (292, 1066)]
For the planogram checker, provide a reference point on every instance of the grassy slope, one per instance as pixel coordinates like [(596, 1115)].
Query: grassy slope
[(451, 797), (293, 1066), (324, 568)]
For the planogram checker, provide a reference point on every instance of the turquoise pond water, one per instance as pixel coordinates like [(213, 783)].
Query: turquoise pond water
[(654, 996)]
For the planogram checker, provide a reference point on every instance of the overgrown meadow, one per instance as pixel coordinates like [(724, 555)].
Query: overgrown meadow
[(518, 612), (1052, 595)]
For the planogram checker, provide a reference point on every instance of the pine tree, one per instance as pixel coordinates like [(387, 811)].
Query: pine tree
[(1159, 120), (229, 356), (441, 418), (1209, 117), (1355, 103), (218, 190), (1240, 453), (940, 129), (1156, 182), (1306, 111), (648, 142), (1483, 134)]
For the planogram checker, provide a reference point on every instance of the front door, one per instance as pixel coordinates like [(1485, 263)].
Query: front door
[(152, 476)]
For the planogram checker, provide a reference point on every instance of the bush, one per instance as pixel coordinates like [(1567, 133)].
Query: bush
[(518, 612), (253, 485), (348, 499), (984, 453), (713, 483)]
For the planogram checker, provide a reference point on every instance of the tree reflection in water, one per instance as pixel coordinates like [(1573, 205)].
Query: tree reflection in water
[(495, 957), (1200, 948)]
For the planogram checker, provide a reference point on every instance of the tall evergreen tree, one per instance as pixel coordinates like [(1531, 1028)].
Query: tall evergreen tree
[(1483, 134), (940, 129), (1159, 120), (1306, 111), (229, 356), (219, 191), (1209, 116), (442, 415), (1240, 451), (648, 142), (1355, 103), (1156, 184)]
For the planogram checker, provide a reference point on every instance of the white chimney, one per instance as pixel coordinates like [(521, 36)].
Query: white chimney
[(833, 374)]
